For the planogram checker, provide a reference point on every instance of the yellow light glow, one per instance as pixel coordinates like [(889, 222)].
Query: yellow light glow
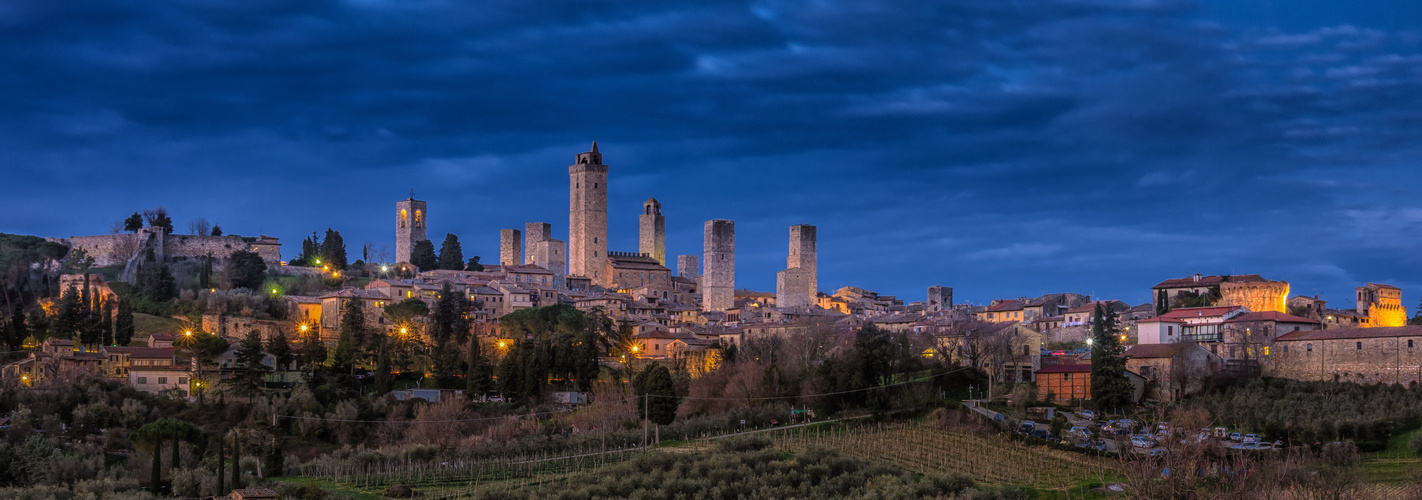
[(303, 328), (634, 348), (336, 274), (188, 333), (326, 268), (384, 268), (274, 291), (502, 344), (404, 330), (318, 261), (1123, 337)]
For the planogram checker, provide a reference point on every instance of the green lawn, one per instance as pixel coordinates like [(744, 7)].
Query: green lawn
[(147, 324), (1396, 464)]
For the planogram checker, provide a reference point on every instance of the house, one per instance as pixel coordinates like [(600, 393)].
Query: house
[(333, 306), (1172, 371), (1390, 355), (1188, 324), (162, 340), (1008, 350), (159, 379), (1064, 383), (1005, 310), (119, 360)]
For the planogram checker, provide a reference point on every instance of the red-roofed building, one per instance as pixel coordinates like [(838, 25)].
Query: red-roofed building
[(1171, 370), (1064, 383), (1390, 355)]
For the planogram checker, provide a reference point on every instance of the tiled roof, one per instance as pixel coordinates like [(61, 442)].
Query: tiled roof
[(1198, 312), (1189, 281), (1382, 286), (1006, 305), (527, 269), (349, 293), (302, 299), (142, 352), (1269, 316), (1066, 368), (1354, 333)]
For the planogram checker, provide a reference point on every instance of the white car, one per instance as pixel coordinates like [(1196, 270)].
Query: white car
[(1087, 414), (1251, 438), (1141, 442)]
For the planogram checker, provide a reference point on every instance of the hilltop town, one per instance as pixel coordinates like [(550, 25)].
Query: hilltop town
[(299, 356)]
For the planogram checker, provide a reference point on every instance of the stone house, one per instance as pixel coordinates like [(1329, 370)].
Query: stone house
[(1008, 350), (118, 361), (158, 379), (333, 306), (1172, 371), (1390, 355)]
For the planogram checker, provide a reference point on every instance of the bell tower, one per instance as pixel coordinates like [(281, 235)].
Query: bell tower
[(410, 226), (587, 215)]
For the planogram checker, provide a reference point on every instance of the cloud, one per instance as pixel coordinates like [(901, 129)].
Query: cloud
[(917, 135)]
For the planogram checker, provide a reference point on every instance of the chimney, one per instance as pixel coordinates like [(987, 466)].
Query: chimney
[(1197, 277)]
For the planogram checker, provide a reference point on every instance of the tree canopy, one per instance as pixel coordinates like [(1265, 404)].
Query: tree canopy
[(422, 256), (1110, 390), (451, 256), (247, 270)]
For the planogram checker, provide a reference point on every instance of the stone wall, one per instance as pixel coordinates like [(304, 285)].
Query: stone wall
[(1257, 296), (510, 247), (940, 298), (115, 249), (1386, 360), (688, 266), (718, 285), (534, 232)]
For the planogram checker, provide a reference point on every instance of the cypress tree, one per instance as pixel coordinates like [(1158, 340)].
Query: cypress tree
[(123, 323), (219, 466), (477, 377), (1110, 390), (333, 250), (106, 325), (422, 256), (236, 462), (451, 256)]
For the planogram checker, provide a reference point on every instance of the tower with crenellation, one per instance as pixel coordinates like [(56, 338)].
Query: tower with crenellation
[(652, 231), (587, 215), (410, 226), (718, 282)]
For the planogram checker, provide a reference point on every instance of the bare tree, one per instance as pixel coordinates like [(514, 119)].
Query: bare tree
[(151, 215), (367, 252), (200, 226)]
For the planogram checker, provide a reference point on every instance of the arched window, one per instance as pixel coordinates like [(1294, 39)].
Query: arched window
[(419, 218), (403, 216)]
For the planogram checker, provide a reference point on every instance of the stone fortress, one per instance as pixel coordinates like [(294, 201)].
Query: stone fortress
[(131, 249)]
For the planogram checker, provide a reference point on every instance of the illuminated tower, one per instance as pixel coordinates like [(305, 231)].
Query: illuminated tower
[(587, 215), (410, 226), (652, 232)]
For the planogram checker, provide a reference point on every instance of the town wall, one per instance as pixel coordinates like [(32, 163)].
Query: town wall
[(1386, 360)]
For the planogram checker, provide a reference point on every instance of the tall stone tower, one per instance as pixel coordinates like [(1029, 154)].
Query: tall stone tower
[(688, 266), (510, 247), (652, 231), (410, 226), (534, 232), (1382, 304), (798, 284), (718, 284), (940, 298), (587, 215)]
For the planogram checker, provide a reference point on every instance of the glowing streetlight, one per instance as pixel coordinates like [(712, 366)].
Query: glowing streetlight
[(274, 291), (503, 344), (384, 268), (303, 327), (634, 348), (188, 333), (318, 261), (404, 330)]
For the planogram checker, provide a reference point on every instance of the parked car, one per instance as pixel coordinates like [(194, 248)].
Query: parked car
[(1163, 427), (1235, 436), (1026, 427), (1087, 414), (1142, 442), (1250, 446), (495, 399), (1251, 438)]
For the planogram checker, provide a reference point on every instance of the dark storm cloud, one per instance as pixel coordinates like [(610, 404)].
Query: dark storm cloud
[(1004, 148)]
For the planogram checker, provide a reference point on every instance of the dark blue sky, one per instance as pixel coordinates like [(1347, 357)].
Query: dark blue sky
[(1002, 148)]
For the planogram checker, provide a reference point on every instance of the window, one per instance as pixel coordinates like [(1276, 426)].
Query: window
[(142, 380), (1170, 330), (1024, 350), (182, 380), (1309, 347), (162, 380), (1409, 343), (1360, 346), (1286, 349), (1066, 376)]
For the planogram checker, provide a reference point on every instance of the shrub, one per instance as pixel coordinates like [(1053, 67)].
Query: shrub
[(1415, 444)]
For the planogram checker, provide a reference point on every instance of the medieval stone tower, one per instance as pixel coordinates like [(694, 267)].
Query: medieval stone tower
[(718, 284), (688, 266), (940, 298), (1382, 304), (410, 227), (544, 251), (652, 231), (587, 215), (510, 247), (797, 285)]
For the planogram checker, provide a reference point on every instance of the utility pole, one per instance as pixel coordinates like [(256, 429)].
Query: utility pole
[(646, 418)]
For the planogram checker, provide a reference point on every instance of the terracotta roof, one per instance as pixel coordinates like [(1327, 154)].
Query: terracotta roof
[(1189, 281), (1155, 350), (164, 336), (349, 293), (1382, 286), (1091, 306), (302, 299), (1354, 333), (527, 269), (1270, 316), (1006, 305), (1159, 319), (1066, 368), (1199, 312), (143, 352)]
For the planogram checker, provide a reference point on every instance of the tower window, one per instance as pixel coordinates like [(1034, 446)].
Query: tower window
[(594, 185), (1360, 346)]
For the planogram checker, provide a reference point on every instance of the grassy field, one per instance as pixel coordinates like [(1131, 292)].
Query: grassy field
[(147, 324), (1394, 465)]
